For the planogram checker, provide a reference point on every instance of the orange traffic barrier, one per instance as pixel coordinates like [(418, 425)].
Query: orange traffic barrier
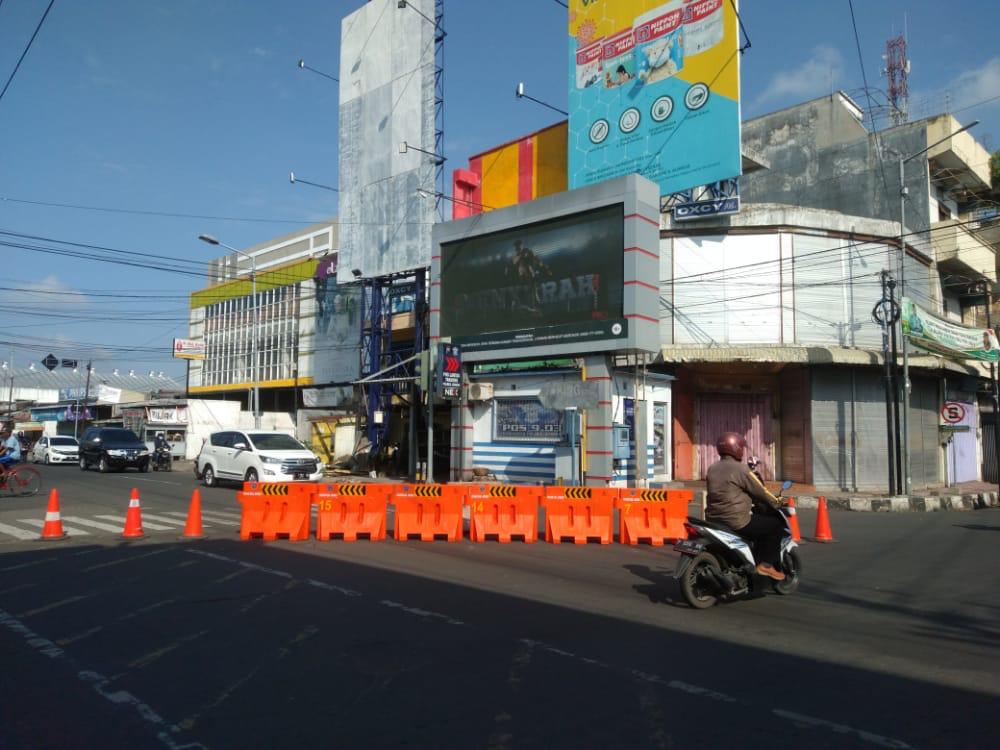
[(823, 531), (579, 514), (269, 513), (282, 489), (352, 511), (652, 516), (192, 527), (133, 519), (503, 512), (793, 520), (53, 528), (428, 511)]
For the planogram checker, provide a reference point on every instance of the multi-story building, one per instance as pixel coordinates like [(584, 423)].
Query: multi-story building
[(766, 316), (308, 330)]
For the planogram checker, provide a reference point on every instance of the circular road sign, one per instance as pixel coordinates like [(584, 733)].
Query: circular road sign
[(952, 412)]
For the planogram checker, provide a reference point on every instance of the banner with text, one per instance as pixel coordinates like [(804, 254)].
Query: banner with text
[(940, 336)]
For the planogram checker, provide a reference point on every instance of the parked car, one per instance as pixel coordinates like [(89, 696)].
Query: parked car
[(112, 448), (255, 455), (56, 449)]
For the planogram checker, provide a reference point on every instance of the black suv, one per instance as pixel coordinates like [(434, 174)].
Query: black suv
[(110, 448)]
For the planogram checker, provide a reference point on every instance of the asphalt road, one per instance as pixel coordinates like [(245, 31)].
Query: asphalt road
[(891, 641)]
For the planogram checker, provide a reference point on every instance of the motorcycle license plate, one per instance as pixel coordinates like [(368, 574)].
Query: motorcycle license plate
[(301, 475)]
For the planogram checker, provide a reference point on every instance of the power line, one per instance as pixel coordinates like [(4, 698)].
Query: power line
[(167, 214), (23, 54)]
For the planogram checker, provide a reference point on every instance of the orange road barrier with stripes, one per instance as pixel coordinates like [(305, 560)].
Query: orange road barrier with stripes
[(352, 511), (428, 511), (652, 516), (274, 511), (579, 514), (503, 512)]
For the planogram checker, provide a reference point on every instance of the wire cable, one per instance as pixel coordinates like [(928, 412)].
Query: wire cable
[(25, 52)]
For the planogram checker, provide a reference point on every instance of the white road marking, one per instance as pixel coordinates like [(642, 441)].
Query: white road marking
[(17, 533), (132, 478), (41, 525), (206, 518), (153, 526), (53, 605), (164, 519), (95, 524)]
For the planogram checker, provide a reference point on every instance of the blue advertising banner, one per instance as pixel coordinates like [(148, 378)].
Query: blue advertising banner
[(654, 89)]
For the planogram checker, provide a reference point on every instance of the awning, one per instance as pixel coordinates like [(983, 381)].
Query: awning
[(28, 427), (807, 355)]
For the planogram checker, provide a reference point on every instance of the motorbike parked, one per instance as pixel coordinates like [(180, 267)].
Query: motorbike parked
[(718, 564)]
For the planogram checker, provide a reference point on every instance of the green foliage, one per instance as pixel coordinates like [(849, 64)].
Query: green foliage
[(995, 169)]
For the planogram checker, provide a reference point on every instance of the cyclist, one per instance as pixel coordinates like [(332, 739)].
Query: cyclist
[(10, 452)]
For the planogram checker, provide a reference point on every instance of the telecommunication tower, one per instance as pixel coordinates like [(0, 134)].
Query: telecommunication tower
[(897, 71)]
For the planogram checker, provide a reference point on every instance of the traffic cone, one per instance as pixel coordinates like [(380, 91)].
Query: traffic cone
[(823, 531), (133, 519), (192, 528), (53, 529), (793, 520)]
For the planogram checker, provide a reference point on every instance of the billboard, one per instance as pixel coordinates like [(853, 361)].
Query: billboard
[(550, 282), (946, 339), (337, 339), (387, 63), (189, 348), (654, 88)]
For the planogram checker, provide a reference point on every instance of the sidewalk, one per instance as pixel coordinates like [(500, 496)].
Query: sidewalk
[(962, 496)]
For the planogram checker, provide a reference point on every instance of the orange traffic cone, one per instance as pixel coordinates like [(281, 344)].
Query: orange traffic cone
[(53, 530), (192, 528), (793, 520), (823, 531), (133, 519)]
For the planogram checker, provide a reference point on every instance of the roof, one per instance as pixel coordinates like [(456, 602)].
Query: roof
[(60, 377)]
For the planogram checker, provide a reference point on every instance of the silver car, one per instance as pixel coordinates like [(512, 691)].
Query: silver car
[(56, 449)]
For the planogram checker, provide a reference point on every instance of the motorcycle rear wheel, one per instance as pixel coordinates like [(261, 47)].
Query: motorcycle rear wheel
[(696, 583), (792, 568)]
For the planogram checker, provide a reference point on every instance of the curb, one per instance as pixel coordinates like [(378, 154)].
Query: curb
[(911, 504)]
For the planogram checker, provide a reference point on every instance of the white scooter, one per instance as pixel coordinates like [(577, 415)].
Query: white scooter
[(718, 564)]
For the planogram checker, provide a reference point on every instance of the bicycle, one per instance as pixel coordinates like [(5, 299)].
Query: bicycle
[(21, 481)]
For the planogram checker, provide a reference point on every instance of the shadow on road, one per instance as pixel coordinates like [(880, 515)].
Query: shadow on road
[(976, 526)]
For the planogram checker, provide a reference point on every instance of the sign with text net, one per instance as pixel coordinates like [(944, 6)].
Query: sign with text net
[(654, 88), (555, 281)]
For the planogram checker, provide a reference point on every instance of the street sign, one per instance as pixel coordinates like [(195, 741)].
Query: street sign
[(569, 394), (69, 363), (952, 412), (50, 362), (449, 370)]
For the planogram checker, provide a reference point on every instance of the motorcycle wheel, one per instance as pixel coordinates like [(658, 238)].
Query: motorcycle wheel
[(696, 584), (792, 568)]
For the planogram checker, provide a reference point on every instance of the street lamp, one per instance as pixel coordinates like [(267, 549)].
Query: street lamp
[(293, 178), (903, 192), (255, 367), (520, 94)]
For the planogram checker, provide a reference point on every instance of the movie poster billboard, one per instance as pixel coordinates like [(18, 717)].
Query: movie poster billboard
[(654, 88), (552, 282)]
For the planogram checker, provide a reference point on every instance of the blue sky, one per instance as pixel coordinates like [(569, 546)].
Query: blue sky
[(198, 107)]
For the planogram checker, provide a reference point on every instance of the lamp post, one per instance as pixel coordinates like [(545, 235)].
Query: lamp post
[(255, 367), (903, 192)]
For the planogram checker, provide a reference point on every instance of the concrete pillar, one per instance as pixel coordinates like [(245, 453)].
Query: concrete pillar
[(600, 459)]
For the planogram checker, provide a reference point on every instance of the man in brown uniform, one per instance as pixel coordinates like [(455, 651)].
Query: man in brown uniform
[(732, 488)]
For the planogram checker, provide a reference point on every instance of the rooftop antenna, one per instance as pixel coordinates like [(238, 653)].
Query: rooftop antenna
[(897, 71)]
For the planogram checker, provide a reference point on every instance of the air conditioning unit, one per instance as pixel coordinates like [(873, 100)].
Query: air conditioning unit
[(480, 391)]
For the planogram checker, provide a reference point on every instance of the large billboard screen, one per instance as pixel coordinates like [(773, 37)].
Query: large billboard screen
[(337, 340), (654, 89), (387, 63), (550, 282)]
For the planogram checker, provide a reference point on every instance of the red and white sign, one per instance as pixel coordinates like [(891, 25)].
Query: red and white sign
[(189, 348), (952, 412)]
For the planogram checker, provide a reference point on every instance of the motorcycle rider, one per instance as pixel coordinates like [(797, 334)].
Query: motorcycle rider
[(732, 488), (161, 446)]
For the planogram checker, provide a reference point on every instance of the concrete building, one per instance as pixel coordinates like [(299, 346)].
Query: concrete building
[(309, 329)]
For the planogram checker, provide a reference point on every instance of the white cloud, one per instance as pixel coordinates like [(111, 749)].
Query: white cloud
[(975, 85), (807, 79), (260, 52)]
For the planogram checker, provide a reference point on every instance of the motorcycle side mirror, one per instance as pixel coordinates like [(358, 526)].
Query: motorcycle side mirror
[(786, 484)]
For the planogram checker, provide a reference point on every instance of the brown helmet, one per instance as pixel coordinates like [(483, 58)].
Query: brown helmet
[(731, 444)]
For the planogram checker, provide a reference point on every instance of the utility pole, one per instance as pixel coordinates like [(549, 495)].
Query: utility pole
[(987, 287), (883, 315), (430, 413), (86, 395)]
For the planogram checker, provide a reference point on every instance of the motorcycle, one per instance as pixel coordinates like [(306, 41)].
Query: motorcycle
[(717, 564), (162, 460)]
